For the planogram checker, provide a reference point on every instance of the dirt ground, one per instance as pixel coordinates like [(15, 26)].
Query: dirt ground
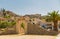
[(26, 37)]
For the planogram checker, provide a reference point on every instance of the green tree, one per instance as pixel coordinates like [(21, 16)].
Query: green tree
[(54, 16), (4, 12), (5, 15), (22, 25), (5, 24)]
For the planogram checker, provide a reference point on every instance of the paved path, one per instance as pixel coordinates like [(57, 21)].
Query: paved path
[(26, 37)]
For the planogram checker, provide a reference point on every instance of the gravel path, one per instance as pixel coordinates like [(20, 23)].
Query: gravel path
[(58, 36), (26, 37)]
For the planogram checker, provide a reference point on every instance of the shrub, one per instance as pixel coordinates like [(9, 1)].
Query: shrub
[(22, 25)]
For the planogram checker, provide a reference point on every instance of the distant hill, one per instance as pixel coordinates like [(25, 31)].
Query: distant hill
[(9, 13), (34, 16), (12, 14), (15, 15)]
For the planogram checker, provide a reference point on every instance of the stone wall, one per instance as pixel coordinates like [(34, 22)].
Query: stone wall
[(36, 29), (6, 31)]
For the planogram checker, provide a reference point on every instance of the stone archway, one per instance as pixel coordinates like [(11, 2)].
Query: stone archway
[(19, 29)]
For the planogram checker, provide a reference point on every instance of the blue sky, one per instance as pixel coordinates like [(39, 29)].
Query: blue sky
[(23, 7)]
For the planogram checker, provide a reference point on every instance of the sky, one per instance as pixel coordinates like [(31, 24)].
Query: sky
[(22, 7)]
